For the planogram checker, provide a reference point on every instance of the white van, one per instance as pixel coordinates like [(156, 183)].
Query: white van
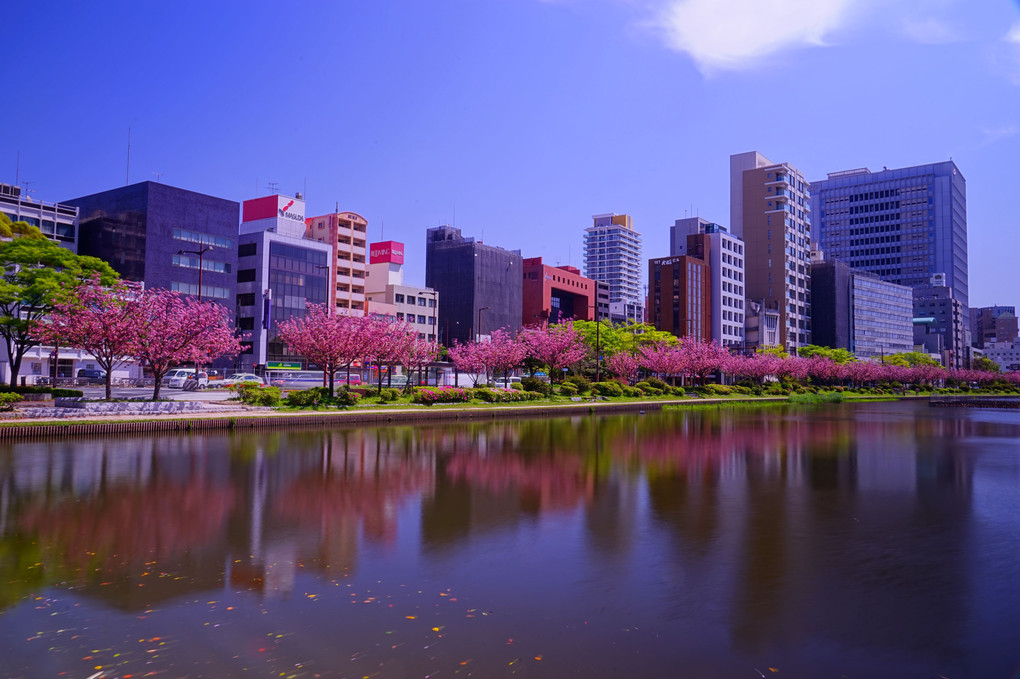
[(178, 378)]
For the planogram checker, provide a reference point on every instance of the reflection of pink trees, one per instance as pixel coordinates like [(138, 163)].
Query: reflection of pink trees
[(126, 526), (560, 482)]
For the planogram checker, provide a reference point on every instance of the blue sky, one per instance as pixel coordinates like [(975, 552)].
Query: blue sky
[(518, 119)]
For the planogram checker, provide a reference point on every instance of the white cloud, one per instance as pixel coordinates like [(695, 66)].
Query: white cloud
[(1014, 34), (994, 134), (736, 34), (930, 31)]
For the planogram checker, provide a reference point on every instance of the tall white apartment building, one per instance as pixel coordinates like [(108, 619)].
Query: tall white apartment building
[(725, 256), (347, 233), (612, 254)]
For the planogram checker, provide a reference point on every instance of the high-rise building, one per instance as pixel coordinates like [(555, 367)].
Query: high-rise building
[(347, 232), (553, 294), (857, 311), (279, 272), (161, 235), (387, 294), (939, 322), (902, 225), (612, 254), (480, 285), (680, 296), (725, 256), (993, 324), (770, 210), (57, 221)]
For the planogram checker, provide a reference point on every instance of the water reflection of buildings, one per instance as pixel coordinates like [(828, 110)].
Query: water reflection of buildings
[(773, 512)]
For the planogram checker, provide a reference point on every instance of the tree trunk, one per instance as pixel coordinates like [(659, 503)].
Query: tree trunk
[(16, 366), (109, 385), (331, 378)]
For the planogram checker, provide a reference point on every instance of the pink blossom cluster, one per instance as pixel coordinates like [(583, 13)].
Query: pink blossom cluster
[(432, 395)]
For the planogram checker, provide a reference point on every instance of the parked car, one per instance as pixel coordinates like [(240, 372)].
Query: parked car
[(240, 378), (91, 376), (184, 378)]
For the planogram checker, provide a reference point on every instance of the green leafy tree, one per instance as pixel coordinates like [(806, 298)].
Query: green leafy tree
[(985, 364), (840, 356), (35, 271), (773, 350), (910, 359)]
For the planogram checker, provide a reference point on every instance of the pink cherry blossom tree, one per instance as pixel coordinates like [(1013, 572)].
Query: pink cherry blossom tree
[(417, 354), (97, 319), (322, 336), (171, 329), (468, 357), (702, 358), (501, 354), (624, 365), (665, 360), (559, 347)]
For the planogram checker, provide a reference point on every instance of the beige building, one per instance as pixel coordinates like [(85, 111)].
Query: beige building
[(347, 232), (770, 210)]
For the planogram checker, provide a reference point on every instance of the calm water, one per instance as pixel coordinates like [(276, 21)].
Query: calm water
[(877, 540)]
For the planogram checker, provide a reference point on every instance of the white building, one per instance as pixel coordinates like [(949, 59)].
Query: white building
[(612, 254), (725, 258), (387, 295)]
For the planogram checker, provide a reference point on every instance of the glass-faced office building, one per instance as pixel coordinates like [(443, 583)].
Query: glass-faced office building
[(150, 232), (902, 225)]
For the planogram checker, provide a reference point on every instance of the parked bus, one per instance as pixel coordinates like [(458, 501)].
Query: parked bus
[(306, 379)]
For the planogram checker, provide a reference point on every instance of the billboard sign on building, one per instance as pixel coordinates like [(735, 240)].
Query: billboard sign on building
[(274, 207), (388, 251)]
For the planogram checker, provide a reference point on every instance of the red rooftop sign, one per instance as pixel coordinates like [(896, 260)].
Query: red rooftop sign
[(386, 251)]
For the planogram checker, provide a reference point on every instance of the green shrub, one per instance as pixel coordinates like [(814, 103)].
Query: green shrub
[(369, 392), (828, 397), (568, 389), (535, 384), (498, 395), (582, 383), (656, 383), (254, 394), (517, 385), (715, 390), (432, 395), (66, 393), (308, 398), (607, 389), (741, 389), (632, 392), (389, 395), (8, 399), (346, 397), (677, 391), (648, 390)]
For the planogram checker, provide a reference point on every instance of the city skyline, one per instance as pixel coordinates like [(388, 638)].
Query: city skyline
[(517, 121)]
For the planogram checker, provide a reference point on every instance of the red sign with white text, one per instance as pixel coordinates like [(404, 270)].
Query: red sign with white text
[(386, 251)]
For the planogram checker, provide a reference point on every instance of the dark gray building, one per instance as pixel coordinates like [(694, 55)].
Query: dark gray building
[(145, 231), (857, 311), (939, 323), (480, 285)]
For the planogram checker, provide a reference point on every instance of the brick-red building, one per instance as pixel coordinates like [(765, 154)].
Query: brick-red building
[(680, 292), (552, 294)]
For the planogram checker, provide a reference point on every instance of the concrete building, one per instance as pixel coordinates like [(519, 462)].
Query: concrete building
[(480, 284), (725, 256), (761, 326), (347, 232), (612, 254), (153, 233), (680, 296), (602, 300), (1005, 354), (771, 211), (57, 221), (387, 295), (939, 323), (860, 312), (902, 225), (993, 324), (552, 294), (279, 272)]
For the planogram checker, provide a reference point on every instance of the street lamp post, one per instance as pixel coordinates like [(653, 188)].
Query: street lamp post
[(200, 253)]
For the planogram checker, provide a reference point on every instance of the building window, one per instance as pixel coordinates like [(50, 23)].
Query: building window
[(203, 238), (247, 250), (398, 299), (245, 275)]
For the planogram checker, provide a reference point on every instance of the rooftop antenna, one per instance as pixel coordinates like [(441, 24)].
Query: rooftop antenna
[(127, 170), (274, 187), (17, 168), (158, 176)]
